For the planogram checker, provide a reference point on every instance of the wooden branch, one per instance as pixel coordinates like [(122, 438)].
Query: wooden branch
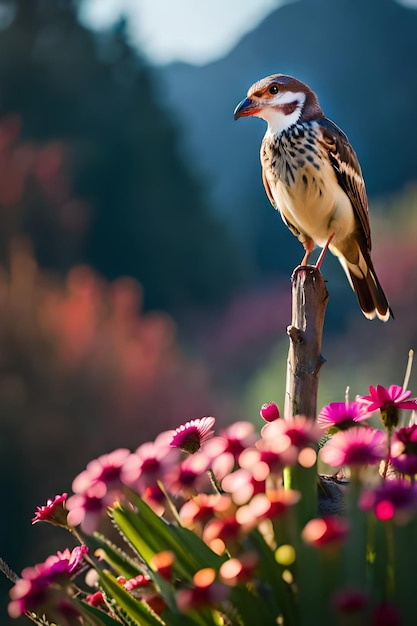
[(309, 302)]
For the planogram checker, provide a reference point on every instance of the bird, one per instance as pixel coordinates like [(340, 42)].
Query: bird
[(312, 176)]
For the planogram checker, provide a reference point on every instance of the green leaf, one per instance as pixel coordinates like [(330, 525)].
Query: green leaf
[(179, 619), (251, 608), (98, 617), (192, 543), (135, 610), (117, 558), (149, 534), (270, 572)]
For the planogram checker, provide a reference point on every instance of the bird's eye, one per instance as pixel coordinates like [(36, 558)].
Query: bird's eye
[(273, 89)]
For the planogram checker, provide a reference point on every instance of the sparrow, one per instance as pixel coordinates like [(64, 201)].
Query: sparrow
[(313, 178)]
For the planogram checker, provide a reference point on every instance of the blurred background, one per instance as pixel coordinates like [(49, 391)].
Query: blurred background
[(144, 277)]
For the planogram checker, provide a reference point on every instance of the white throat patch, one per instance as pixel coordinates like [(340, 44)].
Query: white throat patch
[(274, 113)]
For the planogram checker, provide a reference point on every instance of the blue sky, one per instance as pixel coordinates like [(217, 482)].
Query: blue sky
[(196, 31)]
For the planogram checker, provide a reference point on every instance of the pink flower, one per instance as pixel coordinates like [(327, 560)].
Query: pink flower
[(388, 401), (380, 396), (269, 412), (204, 507), (40, 589), (138, 581), (270, 505), (149, 463), (404, 450), (191, 436), (74, 557), (53, 512), (226, 529), (325, 531), (275, 453), (238, 437), (341, 416), (244, 483), (87, 508), (356, 446), (96, 599), (393, 497), (105, 471), (226, 449), (240, 569), (206, 591), (96, 488), (190, 476), (301, 431)]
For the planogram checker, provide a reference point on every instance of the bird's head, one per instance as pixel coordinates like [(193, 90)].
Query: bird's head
[(281, 101)]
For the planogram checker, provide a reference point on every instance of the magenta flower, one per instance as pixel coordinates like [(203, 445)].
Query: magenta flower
[(87, 508), (274, 453), (103, 471), (274, 503), (190, 476), (404, 450), (341, 416), (356, 446), (240, 569), (74, 557), (41, 588), (244, 483), (53, 512), (226, 529), (299, 430), (388, 401), (149, 463), (269, 412), (206, 591), (238, 437), (380, 396), (392, 497), (137, 582), (191, 436), (328, 530), (203, 507), (96, 599)]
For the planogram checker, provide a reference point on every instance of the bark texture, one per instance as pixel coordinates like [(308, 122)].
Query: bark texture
[(309, 302)]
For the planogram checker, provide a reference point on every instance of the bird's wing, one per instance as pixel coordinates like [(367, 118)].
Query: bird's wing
[(348, 171), (268, 189)]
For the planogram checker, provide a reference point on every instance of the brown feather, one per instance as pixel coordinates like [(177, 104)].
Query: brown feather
[(268, 189)]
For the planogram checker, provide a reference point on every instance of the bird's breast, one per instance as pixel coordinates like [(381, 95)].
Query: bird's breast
[(304, 185)]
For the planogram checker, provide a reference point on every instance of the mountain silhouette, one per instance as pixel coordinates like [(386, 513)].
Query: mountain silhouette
[(358, 55)]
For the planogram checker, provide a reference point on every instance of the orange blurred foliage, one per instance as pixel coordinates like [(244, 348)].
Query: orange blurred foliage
[(83, 370)]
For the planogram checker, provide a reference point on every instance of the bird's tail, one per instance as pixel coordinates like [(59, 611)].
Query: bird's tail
[(364, 282)]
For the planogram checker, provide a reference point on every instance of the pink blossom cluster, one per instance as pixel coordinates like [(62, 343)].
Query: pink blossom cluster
[(356, 444), (188, 461), (225, 486), (43, 586)]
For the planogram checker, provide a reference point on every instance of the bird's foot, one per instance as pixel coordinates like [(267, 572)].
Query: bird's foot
[(323, 252), (308, 245)]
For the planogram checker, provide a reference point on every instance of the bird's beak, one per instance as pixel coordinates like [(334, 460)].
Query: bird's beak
[(245, 108)]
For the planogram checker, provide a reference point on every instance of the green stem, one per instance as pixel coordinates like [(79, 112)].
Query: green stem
[(404, 561), (355, 548), (304, 480), (307, 567)]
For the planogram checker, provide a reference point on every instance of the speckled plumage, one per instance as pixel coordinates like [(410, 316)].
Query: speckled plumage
[(312, 176)]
